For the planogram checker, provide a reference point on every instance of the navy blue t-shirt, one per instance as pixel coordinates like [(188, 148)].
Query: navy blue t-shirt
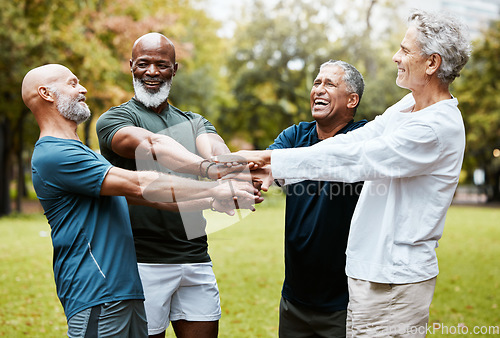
[(94, 256), (317, 221)]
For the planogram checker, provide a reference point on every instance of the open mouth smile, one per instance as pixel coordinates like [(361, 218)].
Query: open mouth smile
[(151, 83), (319, 103)]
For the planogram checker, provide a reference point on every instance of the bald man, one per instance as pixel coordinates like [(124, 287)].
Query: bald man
[(95, 266), (174, 264)]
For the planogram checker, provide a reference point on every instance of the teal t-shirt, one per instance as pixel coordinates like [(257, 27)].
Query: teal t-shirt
[(159, 235), (94, 258)]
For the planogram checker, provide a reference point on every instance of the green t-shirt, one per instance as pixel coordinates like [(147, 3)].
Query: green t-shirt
[(159, 235)]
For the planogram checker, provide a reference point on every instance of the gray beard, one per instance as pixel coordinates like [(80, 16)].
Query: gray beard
[(151, 100), (71, 108)]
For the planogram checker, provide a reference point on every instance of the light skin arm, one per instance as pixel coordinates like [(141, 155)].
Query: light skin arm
[(194, 205), (156, 187)]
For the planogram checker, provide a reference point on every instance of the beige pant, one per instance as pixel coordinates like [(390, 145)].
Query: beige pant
[(388, 310)]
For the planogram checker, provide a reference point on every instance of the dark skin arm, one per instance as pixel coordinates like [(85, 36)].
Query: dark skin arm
[(136, 142)]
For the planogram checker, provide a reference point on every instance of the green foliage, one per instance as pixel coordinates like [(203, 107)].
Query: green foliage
[(248, 263), (251, 86), (94, 39), (276, 55), (477, 92)]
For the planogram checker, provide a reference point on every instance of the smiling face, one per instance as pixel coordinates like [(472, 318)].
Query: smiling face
[(329, 96), (411, 63), (153, 67)]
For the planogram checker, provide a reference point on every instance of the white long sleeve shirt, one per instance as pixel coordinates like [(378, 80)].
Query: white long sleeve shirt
[(410, 162)]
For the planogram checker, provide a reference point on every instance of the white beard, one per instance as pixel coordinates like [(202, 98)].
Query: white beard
[(72, 109), (151, 100)]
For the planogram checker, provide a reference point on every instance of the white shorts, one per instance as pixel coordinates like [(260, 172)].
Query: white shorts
[(179, 292)]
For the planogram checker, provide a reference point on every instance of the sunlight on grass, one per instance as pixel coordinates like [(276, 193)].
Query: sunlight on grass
[(248, 263), (468, 285), (28, 301)]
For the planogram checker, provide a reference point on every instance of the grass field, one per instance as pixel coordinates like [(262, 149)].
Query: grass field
[(248, 262)]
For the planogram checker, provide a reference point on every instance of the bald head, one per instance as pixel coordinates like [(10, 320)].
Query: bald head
[(56, 98), (43, 76), (152, 41)]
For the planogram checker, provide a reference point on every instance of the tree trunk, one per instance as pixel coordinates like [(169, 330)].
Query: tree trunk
[(495, 184), (21, 184), (4, 167)]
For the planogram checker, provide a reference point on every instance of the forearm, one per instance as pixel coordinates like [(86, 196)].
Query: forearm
[(194, 205), (164, 188), (174, 156), (159, 187), (210, 144), (400, 154)]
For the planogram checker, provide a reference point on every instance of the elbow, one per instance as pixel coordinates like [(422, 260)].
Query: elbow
[(136, 192), (154, 187), (134, 186)]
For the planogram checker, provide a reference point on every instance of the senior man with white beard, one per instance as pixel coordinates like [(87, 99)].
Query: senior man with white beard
[(95, 266), (172, 255)]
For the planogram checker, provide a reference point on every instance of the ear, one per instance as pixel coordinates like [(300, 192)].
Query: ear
[(176, 66), (46, 94), (131, 63), (352, 100), (433, 63)]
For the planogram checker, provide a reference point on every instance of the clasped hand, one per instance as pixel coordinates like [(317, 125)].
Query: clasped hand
[(257, 161)]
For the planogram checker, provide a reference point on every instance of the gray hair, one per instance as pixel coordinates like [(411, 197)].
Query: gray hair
[(352, 77), (443, 35)]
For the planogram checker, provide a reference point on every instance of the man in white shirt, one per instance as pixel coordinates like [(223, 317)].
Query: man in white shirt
[(410, 159)]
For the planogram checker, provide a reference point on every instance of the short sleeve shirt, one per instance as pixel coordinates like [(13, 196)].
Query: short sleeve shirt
[(159, 235), (317, 221), (94, 257)]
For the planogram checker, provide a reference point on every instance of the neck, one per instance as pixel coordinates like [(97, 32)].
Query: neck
[(160, 108), (59, 127), (327, 131), (430, 95)]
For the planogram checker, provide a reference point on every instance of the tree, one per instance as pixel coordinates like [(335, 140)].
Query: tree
[(276, 55), (93, 38), (477, 91)]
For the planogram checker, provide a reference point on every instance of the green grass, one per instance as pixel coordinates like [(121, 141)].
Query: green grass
[(28, 301), (248, 263), (468, 286)]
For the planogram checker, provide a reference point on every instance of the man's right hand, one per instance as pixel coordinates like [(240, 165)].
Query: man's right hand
[(238, 191), (254, 158)]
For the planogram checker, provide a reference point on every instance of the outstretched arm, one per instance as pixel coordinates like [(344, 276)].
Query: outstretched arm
[(224, 206), (139, 143), (161, 188)]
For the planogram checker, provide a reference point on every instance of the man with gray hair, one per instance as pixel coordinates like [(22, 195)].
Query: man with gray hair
[(318, 214), (410, 159)]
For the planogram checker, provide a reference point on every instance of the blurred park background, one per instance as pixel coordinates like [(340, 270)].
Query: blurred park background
[(248, 67)]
